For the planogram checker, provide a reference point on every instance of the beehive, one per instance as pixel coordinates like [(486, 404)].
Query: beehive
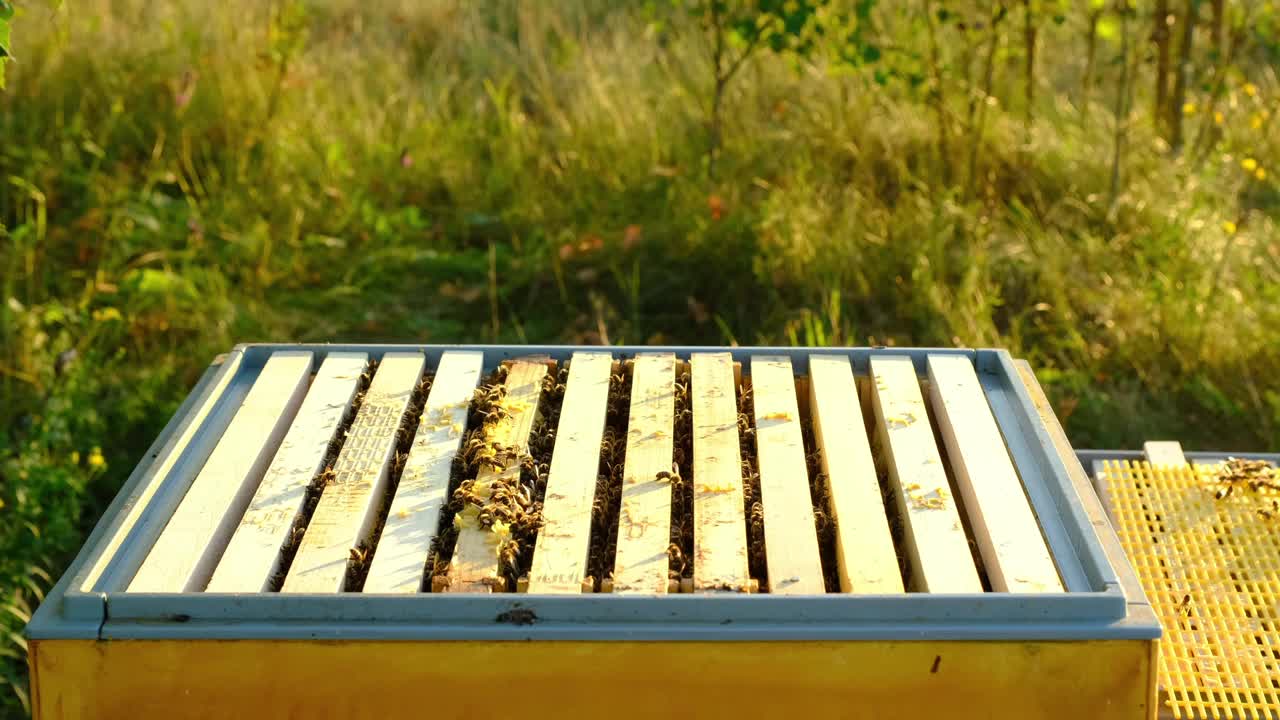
[(373, 531)]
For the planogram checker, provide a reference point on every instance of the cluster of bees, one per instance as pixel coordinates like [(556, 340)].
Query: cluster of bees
[(680, 549), (820, 492), (516, 552), (321, 480), (757, 559), (889, 500), (1254, 477), (510, 502), (466, 464), (608, 498)]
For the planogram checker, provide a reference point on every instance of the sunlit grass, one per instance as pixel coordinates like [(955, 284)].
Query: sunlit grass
[(177, 177)]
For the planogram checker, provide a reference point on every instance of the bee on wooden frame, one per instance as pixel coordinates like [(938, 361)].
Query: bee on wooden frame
[(359, 555)]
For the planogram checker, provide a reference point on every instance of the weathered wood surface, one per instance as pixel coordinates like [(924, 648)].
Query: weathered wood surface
[(253, 556), (344, 519), (791, 538), (1013, 549), (865, 556), (644, 521), (190, 545), (936, 546), (720, 530), (561, 551), (399, 562)]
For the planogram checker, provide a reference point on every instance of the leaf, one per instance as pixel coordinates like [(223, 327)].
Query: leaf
[(155, 284), (6, 12)]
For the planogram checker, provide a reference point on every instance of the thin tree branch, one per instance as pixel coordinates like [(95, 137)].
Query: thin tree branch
[(746, 53)]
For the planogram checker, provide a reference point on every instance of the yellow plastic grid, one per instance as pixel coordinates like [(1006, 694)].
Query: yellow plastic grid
[(1210, 564)]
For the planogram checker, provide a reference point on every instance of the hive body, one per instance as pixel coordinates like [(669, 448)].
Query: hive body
[(871, 533)]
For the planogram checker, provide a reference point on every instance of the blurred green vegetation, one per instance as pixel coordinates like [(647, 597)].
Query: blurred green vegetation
[(177, 177)]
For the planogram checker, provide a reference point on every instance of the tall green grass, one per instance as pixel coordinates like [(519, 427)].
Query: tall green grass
[(177, 177)]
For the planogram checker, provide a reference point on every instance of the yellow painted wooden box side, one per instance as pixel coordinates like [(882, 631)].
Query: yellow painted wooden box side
[(612, 679)]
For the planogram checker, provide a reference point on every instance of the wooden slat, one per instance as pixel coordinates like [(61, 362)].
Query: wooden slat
[(184, 555), (253, 555), (475, 559), (790, 537), (934, 537), (720, 529), (202, 404), (560, 556), (1013, 549), (1164, 452), (348, 507), (865, 558), (399, 561), (644, 521)]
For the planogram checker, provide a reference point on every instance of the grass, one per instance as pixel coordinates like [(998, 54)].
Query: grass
[(178, 177)]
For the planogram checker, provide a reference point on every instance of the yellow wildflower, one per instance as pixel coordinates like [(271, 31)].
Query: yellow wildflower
[(1249, 164), (106, 314), (75, 457), (1189, 108), (96, 460), (1229, 226), (1261, 174), (1250, 89), (1255, 122), (1218, 117)]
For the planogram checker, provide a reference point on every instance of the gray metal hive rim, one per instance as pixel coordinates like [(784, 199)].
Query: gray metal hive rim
[(1097, 606), (1089, 457)]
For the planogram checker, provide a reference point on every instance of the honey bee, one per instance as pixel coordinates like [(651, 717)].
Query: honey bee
[(358, 555), (509, 554), (677, 559), (679, 455), (673, 476), (819, 520), (1184, 607)]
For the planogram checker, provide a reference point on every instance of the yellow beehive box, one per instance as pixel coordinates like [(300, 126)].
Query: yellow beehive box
[(375, 531)]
